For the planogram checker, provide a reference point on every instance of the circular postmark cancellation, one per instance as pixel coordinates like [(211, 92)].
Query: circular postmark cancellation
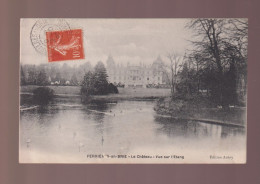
[(39, 29)]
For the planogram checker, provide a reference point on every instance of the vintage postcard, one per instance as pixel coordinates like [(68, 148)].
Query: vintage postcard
[(133, 90)]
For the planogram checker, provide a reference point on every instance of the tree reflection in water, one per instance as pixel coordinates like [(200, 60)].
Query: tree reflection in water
[(191, 129), (98, 111)]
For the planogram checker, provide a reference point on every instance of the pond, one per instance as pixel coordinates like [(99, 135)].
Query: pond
[(67, 131)]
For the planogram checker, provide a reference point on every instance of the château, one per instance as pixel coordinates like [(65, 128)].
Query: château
[(132, 75)]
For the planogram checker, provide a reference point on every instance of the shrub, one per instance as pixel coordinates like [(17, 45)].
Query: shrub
[(43, 95), (112, 88)]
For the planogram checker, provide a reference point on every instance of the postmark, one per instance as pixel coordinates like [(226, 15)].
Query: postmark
[(64, 45), (39, 29)]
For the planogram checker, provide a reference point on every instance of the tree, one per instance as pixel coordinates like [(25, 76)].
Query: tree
[(196, 63), (58, 77), (82, 69), (54, 68), (65, 72), (87, 87), (22, 77), (32, 75), (238, 33), (172, 69), (112, 88), (218, 50), (43, 95), (210, 45), (100, 79), (187, 84), (95, 83), (74, 80), (42, 79)]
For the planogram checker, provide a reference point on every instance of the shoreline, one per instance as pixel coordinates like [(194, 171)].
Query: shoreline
[(207, 121), (210, 115), (124, 93), (201, 110), (106, 98)]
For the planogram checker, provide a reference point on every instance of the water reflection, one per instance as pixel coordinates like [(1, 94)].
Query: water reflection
[(191, 129), (68, 127)]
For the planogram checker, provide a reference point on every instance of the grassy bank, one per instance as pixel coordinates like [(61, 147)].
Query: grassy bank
[(65, 90), (124, 93), (200, 109)]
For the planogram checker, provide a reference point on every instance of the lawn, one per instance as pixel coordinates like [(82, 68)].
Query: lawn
[(123, 92)]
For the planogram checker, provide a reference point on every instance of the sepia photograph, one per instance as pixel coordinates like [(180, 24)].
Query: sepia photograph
[(133, 90)]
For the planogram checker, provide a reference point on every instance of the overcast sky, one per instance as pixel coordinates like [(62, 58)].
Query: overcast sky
[(127, 40)]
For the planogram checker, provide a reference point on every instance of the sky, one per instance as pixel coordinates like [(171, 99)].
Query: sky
[(127, 40)]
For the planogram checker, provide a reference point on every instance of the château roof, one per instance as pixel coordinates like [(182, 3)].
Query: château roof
[(110, 60), (158, 60)]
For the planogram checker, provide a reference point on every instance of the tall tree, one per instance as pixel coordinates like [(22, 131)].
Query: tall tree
[(187, 84), (87, 87), (22, 77), (95, 83), (238, 34), (100, 79), (172, 69), (74, 80), (42, 79), (32, 75), (217, 49), (58, 77)]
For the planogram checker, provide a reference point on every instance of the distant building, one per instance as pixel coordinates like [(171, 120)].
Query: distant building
[(135, 75), (67, 82), (57, 82)]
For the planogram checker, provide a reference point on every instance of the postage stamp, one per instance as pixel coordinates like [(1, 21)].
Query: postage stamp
[(39, 29), (64, 45)]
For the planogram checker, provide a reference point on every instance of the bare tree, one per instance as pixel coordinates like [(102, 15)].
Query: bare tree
[(219, 46), (238, 34), (172, 69)]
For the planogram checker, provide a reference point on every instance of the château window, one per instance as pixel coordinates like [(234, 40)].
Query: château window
[(147, 78)]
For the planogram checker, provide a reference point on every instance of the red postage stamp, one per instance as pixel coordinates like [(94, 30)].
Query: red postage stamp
[(64, 45)]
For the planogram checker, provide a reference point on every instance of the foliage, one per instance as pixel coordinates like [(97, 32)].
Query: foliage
[(43, 95), (54, 72), (219, 57), (95, 83), (112, 88), (183, 106), (100, 79), (32, 75), (41, 79), (187, 84), (87, 87), (74, 80), (36, 75), (22, 77), (171, 70), (198, 107)]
